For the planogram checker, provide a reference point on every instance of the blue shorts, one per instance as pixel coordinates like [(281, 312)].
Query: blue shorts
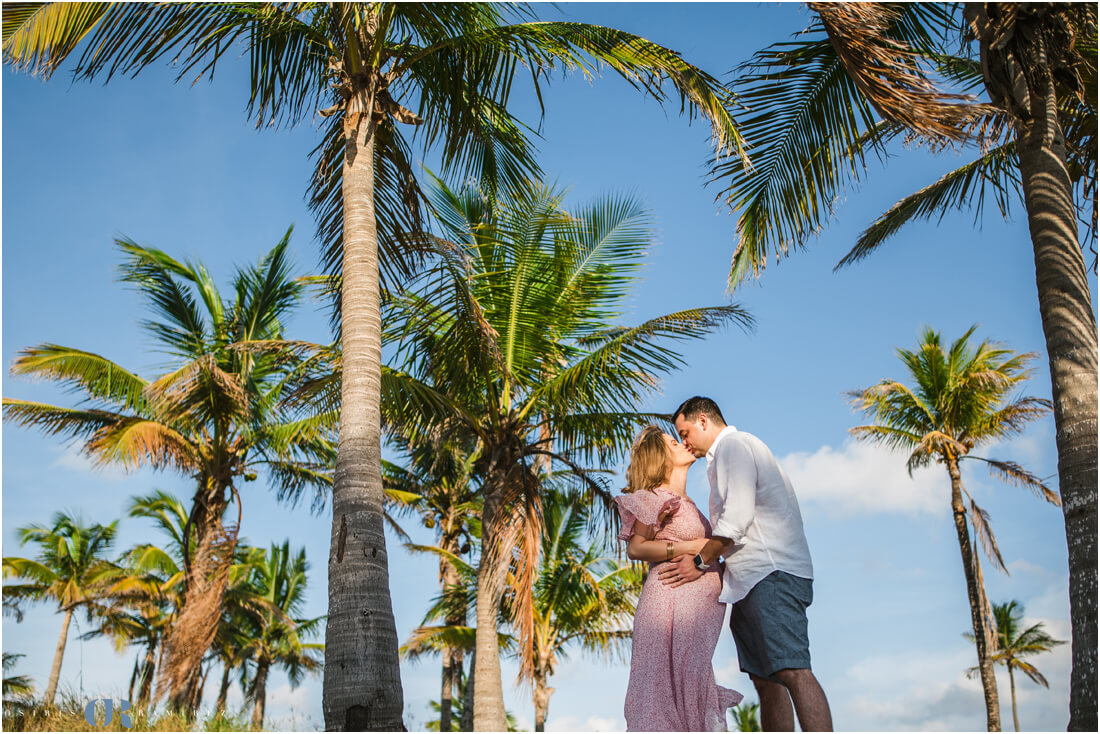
[(769, 625)]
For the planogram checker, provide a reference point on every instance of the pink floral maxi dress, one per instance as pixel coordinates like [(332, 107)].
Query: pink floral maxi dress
[(672, 686)]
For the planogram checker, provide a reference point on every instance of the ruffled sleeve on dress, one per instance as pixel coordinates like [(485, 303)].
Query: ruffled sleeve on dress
[(643, 506)]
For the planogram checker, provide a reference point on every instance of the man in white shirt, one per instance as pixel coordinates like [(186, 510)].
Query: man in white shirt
[(768, 580)]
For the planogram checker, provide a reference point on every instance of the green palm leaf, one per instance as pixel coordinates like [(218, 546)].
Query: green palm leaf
[(965, 187), (95, 375)]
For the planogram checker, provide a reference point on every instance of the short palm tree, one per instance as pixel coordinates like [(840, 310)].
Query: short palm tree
[(583, 597), (18, 689), (437, 484), (746, 717), (149, 595), (374, 68), (217, 416), (507, 341), (445, 630), (866, 73), (959, 399), (70, 570), (1015, 643), (145, 600), (280, 639)]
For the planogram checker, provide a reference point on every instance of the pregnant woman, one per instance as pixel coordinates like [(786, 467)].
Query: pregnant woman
[(672, 685)]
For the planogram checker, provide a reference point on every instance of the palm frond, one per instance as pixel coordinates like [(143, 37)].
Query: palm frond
[(888, 71), (38, 37), (132, 442), (1013, 473), (645, 65), (979, 519), (55, 420), (97, 376), (626, 361), (183, 331), (963, 188)]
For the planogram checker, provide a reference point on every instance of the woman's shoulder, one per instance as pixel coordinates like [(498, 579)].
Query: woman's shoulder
[(649, 501)]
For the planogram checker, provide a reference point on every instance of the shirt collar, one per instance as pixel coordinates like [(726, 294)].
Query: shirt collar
[(714, 446)]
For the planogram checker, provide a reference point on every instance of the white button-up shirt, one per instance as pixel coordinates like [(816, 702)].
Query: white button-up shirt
[(753, 504)]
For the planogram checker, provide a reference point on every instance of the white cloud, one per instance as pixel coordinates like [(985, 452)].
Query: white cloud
[(918, 690), (862, 478)]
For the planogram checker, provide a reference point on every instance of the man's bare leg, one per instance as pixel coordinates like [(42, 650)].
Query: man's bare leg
[(809, 699), (776, 713)]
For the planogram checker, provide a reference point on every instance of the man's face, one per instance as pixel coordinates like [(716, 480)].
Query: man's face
[(694, 434)]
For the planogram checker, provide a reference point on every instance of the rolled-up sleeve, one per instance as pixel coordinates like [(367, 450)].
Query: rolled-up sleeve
[(735, 491)]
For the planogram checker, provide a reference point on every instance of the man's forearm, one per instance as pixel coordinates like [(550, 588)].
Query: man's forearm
[(715, 547)]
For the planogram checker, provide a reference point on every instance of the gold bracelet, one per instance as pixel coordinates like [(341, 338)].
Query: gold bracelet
[(668, 550)]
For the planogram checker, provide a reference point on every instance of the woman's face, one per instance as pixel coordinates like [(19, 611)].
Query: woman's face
[(680, 455)]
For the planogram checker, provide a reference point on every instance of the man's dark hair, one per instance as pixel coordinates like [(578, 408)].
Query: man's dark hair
[(692, 407)]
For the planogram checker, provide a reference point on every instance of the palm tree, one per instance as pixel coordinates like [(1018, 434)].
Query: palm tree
[(959, 400), (144, 601), (148, 595), (373, 64), (1015, 643), (582, 597), (746, 716), (1027, 55), (438, 486), (506, 341), (279, 640), (216, 417), (70, 570), (18, 689), (861, 76), (445, 630)]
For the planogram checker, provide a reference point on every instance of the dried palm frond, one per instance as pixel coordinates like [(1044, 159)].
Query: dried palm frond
[(888, 73)]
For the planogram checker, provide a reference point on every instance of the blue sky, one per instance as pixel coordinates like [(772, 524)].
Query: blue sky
[(178, 167)]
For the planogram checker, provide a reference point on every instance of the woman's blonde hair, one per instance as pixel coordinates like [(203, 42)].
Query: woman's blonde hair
[(650, 460)]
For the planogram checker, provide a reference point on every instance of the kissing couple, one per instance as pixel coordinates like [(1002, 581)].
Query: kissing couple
[(756, 527)]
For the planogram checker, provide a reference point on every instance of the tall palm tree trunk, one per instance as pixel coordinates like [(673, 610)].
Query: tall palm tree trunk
[(489, 713), (446, 689), (1018, 66), (981, 635), (466, 723), (1065, 304), (197, 624), (223, 690), (148, 667), (362, 683), (199, 687), (259, 695), (451, 656), (58, 656), (542, 701), (133, 679), (1012, 690)]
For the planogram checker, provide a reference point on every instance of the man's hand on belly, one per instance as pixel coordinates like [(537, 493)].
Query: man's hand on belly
[(679, 571)]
